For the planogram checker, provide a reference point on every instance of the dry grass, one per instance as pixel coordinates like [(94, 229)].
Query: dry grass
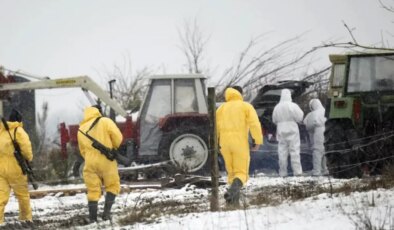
[(150, 212), (275, 195)]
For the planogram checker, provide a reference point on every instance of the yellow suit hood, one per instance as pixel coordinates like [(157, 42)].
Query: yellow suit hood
[(232, 95), (89, 114)]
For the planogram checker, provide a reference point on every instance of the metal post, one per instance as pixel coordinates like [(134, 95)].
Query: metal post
[(111, 111), (213, 147)]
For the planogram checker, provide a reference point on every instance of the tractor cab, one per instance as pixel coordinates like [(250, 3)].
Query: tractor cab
[(173, 122), (360, 109)]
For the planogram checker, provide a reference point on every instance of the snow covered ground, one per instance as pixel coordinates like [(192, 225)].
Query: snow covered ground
[(188, 208)]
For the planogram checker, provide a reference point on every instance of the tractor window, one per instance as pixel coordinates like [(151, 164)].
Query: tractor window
[(368, 74), (159, 101), (185, 96), (339, 73)]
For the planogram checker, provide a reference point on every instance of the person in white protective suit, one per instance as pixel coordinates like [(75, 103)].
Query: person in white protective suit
[(315, 124), (286, 115)]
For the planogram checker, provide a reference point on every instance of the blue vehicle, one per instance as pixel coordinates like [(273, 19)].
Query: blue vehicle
[(266, 159)]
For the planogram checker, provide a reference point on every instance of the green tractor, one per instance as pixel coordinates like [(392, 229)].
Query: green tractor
[(359, 137)]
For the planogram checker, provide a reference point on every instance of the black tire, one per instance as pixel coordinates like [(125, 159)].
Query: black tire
[(187, 148), (78, 168), (340, 136)]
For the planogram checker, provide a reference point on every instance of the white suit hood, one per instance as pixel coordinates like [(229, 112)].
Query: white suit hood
[(316, 118), (315, 104), (285, 95), (286, 110)]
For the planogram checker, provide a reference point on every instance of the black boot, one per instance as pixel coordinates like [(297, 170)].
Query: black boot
[(109, 201), (92, 205), (232, 194)]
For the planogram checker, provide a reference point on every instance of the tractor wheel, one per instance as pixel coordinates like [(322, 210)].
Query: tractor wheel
[(78, 168), (186, 148), (340, 136)]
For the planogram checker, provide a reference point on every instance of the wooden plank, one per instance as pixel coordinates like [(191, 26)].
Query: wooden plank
[(35, 194)]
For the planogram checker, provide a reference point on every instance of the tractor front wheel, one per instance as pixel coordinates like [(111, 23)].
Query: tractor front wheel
[(339, 140)]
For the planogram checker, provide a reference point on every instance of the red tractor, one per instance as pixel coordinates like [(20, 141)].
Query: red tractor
[(172, 126)]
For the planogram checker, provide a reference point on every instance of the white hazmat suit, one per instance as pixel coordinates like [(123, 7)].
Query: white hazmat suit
[(315, 124), (286, 115)]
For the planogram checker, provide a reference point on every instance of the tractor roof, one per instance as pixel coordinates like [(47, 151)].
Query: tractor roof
[(366, 52)]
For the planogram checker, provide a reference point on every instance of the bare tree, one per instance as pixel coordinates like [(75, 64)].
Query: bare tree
[(354, 44), (193, 45), (257, 66), (387, 6), (130, 85), (319, 80)]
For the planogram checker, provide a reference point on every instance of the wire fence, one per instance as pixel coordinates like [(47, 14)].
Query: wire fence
[(344, 167), (353, 150)]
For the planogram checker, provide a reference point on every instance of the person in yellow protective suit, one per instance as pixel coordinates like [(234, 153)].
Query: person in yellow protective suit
[(11, 176), (98, 169), (235, 119)]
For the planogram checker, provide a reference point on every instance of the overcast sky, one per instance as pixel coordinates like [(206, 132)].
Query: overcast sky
[(58, 38)]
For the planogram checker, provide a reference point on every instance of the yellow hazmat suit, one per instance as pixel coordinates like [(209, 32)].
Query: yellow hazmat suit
[(11, 176), (234, 120), (98, 169)]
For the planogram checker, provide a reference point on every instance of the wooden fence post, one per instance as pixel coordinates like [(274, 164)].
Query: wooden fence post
[(213, 150)]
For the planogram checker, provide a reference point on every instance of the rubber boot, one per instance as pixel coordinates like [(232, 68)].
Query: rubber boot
[(92, 206), (109, 201), (232, 194)]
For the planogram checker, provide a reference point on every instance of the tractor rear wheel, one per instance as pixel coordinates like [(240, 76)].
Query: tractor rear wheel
[(340, 136), (186, 148)]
